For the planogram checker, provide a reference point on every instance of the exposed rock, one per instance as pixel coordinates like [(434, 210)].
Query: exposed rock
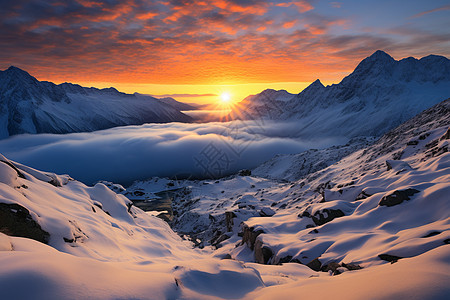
[(363, 195), (446, 135), (229, 215), (217, 240), (398, 165), (266, 212), (305, 213), (351, 267), (389, 258), (397, 197), (245, 172), (249, 236), (285, 259), (15, 220), (263, 253), (315, 264), (333, 267), (327, 215), (345, 184)]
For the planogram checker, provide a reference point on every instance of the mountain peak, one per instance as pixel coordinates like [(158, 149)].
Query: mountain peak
[(379, 64), (313, 87), (16, 72), (380, 55), (316, 83)]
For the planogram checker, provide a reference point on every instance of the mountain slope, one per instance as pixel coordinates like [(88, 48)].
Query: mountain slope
[(377, 215), (380, 94), (177, 104), (389, 198), (59, 236), (30, 106)]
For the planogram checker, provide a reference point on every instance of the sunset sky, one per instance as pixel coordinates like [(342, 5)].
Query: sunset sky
[(203, 48)]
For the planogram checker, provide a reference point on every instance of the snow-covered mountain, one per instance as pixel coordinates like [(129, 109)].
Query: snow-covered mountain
[(387, 202), (177, 104), (31, 106), (374, 223), (380, 94), (291, 167)]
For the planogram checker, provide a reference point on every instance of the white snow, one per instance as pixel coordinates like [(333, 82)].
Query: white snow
[(327, 231), (100, 248)]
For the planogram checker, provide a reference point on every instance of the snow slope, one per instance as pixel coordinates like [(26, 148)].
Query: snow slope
[(385, 203), (292, 167), (342, 202), (380, 94), (30, 106), (95, 244)]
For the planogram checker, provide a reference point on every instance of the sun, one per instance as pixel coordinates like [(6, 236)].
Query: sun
[(225, 98)]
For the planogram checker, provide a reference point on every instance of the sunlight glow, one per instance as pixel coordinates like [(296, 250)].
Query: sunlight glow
[(225, 97)]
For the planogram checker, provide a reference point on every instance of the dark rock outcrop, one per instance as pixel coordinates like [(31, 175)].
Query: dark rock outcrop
[(266, 212), (389, 258), (333, 267), (249, 236), (327, 215), (363, 195), (245, 172), (229, 216), (315, 264), (263, 253), (397, 197), (15, 220)]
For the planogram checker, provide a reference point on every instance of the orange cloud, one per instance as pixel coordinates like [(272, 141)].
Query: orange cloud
[(289, 24), (191, 42), (302, 6)]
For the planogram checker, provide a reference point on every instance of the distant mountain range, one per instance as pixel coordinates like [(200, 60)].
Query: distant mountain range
[(31, 106), (380, 94)]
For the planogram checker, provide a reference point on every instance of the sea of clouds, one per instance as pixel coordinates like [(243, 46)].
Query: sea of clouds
[(126, 154)]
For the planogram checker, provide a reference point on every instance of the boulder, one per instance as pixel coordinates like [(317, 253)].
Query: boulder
[(333, 267), (363, 195), (263, 253), (327, 215), (315, 264), (249, 236), (389, 258), (351, 267), (266, 212), (15, 220), (397, 197), (229, 216)]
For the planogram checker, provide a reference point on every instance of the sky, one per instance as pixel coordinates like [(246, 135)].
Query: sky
[(197, 50)]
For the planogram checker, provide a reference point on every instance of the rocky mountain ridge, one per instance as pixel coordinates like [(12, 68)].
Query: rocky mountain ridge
[(31, 106)]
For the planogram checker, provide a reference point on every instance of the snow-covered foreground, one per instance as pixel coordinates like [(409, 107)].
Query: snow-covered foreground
[(330, 234)]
